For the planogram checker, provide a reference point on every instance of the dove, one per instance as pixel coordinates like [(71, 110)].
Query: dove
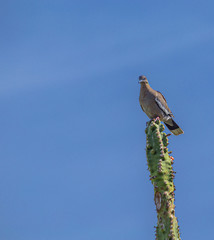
[(154, 104)]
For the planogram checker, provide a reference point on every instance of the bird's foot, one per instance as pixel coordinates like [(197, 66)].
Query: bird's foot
[(156, 120)]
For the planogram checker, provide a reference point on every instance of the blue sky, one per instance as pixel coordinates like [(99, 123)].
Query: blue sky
[(73, 162)]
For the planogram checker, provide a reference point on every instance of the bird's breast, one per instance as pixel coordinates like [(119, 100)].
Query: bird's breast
[(150, 107)]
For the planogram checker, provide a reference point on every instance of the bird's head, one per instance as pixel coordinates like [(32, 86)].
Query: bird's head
[(143, 79)]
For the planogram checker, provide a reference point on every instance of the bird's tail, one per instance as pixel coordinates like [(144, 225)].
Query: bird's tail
[(173, 127)]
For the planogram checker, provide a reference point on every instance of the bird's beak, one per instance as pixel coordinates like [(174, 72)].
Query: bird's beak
[(140, 81)]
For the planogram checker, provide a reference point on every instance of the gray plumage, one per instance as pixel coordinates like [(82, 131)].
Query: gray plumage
[(154, 105)]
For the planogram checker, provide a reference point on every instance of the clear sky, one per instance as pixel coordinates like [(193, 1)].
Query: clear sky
[(72, 142)]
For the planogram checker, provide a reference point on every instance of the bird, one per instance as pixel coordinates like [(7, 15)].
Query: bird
[(154, 104)]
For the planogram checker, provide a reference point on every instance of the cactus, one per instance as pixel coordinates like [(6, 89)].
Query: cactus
[(161, 176)]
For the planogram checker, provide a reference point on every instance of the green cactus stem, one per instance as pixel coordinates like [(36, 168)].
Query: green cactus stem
[(161, 176)]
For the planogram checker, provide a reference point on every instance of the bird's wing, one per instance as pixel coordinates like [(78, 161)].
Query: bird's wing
[(162, 104), (162, 95)]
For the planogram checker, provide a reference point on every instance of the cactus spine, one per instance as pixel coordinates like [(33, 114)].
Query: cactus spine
[(161, 176)]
